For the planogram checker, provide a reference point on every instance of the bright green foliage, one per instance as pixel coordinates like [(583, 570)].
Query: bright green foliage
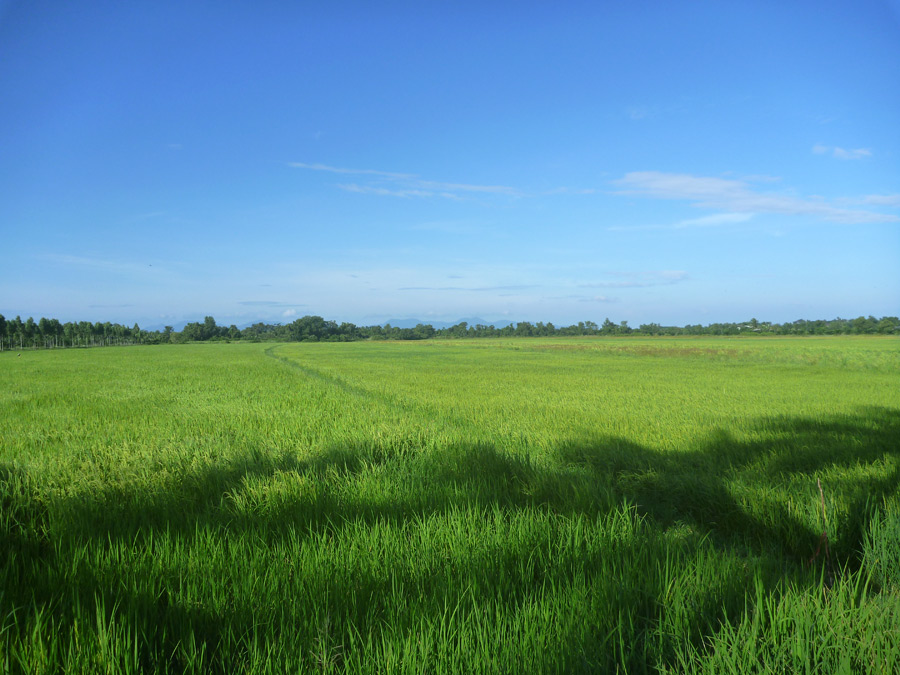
[(554, 505)]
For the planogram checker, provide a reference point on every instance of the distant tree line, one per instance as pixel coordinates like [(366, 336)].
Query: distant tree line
[(50, 333)]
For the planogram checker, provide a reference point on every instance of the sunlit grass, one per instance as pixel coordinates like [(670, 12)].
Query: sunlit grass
[(473, 506)]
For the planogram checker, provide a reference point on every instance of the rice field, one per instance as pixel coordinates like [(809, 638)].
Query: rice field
[(481, 506)]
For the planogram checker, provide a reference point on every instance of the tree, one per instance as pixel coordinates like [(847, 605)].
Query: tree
[(16, 330), (209, 328), (460, 329), (44, 327), (308, 328), (192, 332), (56, 329), (887, 325), (863, 325), (30, 331), (423, 331)]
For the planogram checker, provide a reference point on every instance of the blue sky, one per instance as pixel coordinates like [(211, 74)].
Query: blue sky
[(677, 162)]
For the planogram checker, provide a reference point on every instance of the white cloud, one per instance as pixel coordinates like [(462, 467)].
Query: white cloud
[(571, 191), (375, 190), (638, 112), (841, 153), (858, 153), (388, 183), (462, 187), (477, 289), (679, 186), (641, 279), (737, 196), (715, 219), (882, 200), (672, 275), (268, 303), (335, 169)]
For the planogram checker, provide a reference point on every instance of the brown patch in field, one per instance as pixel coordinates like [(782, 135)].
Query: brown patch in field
[(645, 350)]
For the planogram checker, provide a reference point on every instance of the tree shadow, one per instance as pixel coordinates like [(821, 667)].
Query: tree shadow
[(690, 487), (589, 475)]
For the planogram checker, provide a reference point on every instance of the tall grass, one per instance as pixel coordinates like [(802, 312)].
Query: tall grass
[(485, 506)]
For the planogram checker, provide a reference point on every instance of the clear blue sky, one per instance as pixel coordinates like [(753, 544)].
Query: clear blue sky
[(677, 162)]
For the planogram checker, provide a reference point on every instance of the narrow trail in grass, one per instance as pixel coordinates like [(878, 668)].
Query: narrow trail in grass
[(416, 410), (331, 380)]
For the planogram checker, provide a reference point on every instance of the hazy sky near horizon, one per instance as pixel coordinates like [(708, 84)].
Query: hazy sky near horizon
[(678, 162)]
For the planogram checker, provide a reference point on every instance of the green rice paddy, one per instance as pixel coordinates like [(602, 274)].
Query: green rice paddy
[(481, 506)]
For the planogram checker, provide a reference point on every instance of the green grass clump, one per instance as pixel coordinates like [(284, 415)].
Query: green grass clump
[(567, 505)]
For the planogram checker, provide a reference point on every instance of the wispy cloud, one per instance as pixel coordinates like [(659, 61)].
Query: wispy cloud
[(478, 289), (641, 279), (581, 298), (366, 172), (638, 112), (269, 303), (571, 191), (737, 196), (713, 220), (858, 153), (759, 178), (464, 187), (841, 153), (882, 200), (387, 192), (393, 184)]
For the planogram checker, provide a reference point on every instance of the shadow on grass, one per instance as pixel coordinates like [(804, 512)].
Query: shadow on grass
[(730, 493)]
